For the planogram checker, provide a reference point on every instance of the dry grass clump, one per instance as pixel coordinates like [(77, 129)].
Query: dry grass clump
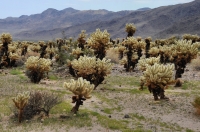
[(196, 104), (111, 54), (196, 64)]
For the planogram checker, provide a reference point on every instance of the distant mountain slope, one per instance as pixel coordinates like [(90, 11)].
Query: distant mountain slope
[(52, 18), (160, 22)]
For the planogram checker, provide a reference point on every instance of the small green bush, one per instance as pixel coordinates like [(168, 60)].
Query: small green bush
[(196, 104), (15, 72)]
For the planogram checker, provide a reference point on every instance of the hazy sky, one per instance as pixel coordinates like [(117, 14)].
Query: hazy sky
[(16, 8)]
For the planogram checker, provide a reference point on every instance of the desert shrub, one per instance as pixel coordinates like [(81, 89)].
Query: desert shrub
[(196, 104), (196, 64), (111, 54), (36, 68), (38, 102)]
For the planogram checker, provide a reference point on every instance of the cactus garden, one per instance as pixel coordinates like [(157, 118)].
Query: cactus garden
[(90, 83)]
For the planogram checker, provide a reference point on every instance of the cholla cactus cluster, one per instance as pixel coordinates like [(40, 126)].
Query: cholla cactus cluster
[(82, 89), (77, 52), (157, 77), (99, 42), (182, 53), (91, 68), (35, 47), (36, 67), (8, 51), (194, 38), (130, 54), (20, 102), (39, 64)]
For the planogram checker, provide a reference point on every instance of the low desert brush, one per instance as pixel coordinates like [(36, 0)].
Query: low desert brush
[(196, 104)]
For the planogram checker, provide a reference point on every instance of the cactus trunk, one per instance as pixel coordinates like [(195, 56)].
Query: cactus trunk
[(20, 115), (79, 101)]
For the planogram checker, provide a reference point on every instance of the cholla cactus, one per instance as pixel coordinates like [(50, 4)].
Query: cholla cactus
[(81, 90), (154, 52), (81, 40), (131, 45), (24, 47), (91, 68), (77, 52), (36, 67), (50, 50), (5, 49), (13, 58), (35, 47), (157, 77), (144, 63), (130, 29), (20, 102), (182, 53), (12, 47), (165, 53), (99, 42), (148, 44), (6, 38), (120, 50), (60, 42)]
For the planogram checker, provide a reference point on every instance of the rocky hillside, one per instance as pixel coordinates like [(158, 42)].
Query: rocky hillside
[(159, 22)]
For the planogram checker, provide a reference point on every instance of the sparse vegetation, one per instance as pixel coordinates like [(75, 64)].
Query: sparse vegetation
[(117, 104)]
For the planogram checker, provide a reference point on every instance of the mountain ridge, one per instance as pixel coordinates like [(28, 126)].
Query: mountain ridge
[(159, 22)]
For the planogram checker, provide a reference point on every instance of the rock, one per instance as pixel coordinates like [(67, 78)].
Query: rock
[(186, 70), (42, 120), (153, 107), (126, 116)]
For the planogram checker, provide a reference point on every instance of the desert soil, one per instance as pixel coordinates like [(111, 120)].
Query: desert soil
[(139, 110)]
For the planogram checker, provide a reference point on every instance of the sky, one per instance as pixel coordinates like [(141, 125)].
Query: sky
[(16, 8)]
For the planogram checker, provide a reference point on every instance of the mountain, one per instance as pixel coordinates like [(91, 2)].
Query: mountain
[(52, 19), (144, 9), (160, 22)]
